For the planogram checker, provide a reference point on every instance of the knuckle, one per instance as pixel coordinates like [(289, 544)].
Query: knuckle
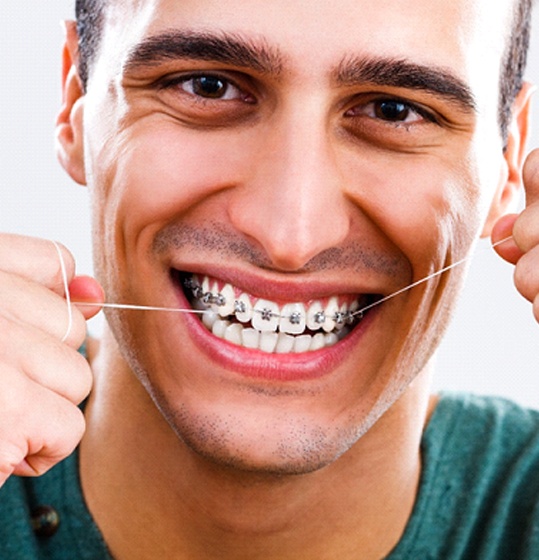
[(63, 263), (526, 229), (11, 455), (77, 330), (526, 276), (531, 168), (84, 379)]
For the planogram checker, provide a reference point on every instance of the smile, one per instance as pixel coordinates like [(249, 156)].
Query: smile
[(264, 325)]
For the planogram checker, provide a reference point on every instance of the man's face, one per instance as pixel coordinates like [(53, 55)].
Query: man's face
[(299, 158)]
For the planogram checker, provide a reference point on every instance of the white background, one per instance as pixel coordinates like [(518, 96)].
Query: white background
[(492, 346)]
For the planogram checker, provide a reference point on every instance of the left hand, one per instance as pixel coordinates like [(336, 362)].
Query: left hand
[(523, 249)]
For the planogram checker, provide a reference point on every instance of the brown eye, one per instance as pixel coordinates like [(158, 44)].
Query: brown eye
[(211, 87), (394, 111)]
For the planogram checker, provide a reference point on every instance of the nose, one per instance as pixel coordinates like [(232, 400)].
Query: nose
[(292, 204)]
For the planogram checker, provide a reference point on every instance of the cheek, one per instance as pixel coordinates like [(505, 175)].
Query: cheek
[(171, 170), (148, 176), (429, 206)]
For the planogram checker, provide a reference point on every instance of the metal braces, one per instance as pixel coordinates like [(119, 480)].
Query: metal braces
[(208, 298)]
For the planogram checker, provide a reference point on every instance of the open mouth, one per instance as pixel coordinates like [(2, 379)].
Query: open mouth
[(264, 325)]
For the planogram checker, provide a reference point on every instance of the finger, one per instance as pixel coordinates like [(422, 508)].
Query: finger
[(36, 260), (536, 308), (34, 438), (45, 360), (28, 303), (526, 229), (65, 432), (527, 274), (502, 230), (86, 289), (531, 177)]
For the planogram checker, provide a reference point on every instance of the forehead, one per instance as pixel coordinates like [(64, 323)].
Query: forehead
[(466, 36)]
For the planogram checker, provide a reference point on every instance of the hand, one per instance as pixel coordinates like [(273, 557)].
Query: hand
[(42, 379), (523, 249)]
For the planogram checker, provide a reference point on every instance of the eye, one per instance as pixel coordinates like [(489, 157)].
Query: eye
[(210, 87), (392, 111)]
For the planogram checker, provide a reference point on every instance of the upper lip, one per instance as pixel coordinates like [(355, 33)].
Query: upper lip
[(291, 288)]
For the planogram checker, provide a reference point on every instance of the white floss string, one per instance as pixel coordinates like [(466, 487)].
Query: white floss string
[(66, 290), (427, 278), (201, 312)]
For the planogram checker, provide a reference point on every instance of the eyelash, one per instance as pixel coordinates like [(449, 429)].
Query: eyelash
[(178, 81), (359, 109)]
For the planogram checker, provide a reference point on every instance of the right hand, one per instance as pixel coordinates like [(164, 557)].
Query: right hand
[(42, 379)]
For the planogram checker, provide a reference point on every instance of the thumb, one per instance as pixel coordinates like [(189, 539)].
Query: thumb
[(86, 289)]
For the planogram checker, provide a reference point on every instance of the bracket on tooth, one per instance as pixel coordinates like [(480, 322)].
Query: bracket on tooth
[(339, 318), (207, 298), (320, 318), (239, 307), (198, 292), (219, 300), (267, 314), (295, 318), (357, 315)]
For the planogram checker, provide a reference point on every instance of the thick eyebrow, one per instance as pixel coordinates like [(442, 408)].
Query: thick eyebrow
[(400, 73), (223, 48)]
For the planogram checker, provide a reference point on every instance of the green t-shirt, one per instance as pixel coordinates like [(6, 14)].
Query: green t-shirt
[(478, 498)]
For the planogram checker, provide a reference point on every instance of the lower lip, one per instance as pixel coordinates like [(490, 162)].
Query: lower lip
[(273, 367)]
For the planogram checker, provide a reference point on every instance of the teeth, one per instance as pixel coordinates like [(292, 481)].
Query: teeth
[(228, 295), (285, 344), (265, 316), (243, 309), (268, 341), (331, 339), (251, 338), (293, 319), (219, 328), (233, 334), (271, 328), (206, 285), (302, 343), (318, 342), (209, 319), (330, 311), (315, 316)]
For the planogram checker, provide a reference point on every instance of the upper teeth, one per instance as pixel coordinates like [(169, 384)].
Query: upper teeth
[(267, 316)]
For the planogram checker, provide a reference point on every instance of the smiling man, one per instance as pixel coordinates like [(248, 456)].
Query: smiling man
[(277, 170)]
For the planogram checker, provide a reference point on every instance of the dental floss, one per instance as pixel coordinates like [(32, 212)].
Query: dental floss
[(202, 312), (66, 290), (144, 307), (426, 279)]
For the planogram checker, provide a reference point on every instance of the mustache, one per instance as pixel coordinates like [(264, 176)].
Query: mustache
[(227, 244)]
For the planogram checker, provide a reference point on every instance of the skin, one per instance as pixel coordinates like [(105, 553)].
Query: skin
[(294, 172)]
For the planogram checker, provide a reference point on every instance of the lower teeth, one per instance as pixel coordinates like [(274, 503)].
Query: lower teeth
[(270, 342)]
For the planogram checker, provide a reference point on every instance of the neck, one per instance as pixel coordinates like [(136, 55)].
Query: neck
[(134, 469)]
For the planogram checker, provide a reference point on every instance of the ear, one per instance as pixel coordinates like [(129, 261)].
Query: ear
[(515, 155), (69, 123)]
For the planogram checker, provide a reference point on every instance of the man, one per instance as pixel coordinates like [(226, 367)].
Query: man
[(283, 167)]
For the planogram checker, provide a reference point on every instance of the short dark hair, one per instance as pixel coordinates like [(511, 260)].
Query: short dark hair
[(90, 16)]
